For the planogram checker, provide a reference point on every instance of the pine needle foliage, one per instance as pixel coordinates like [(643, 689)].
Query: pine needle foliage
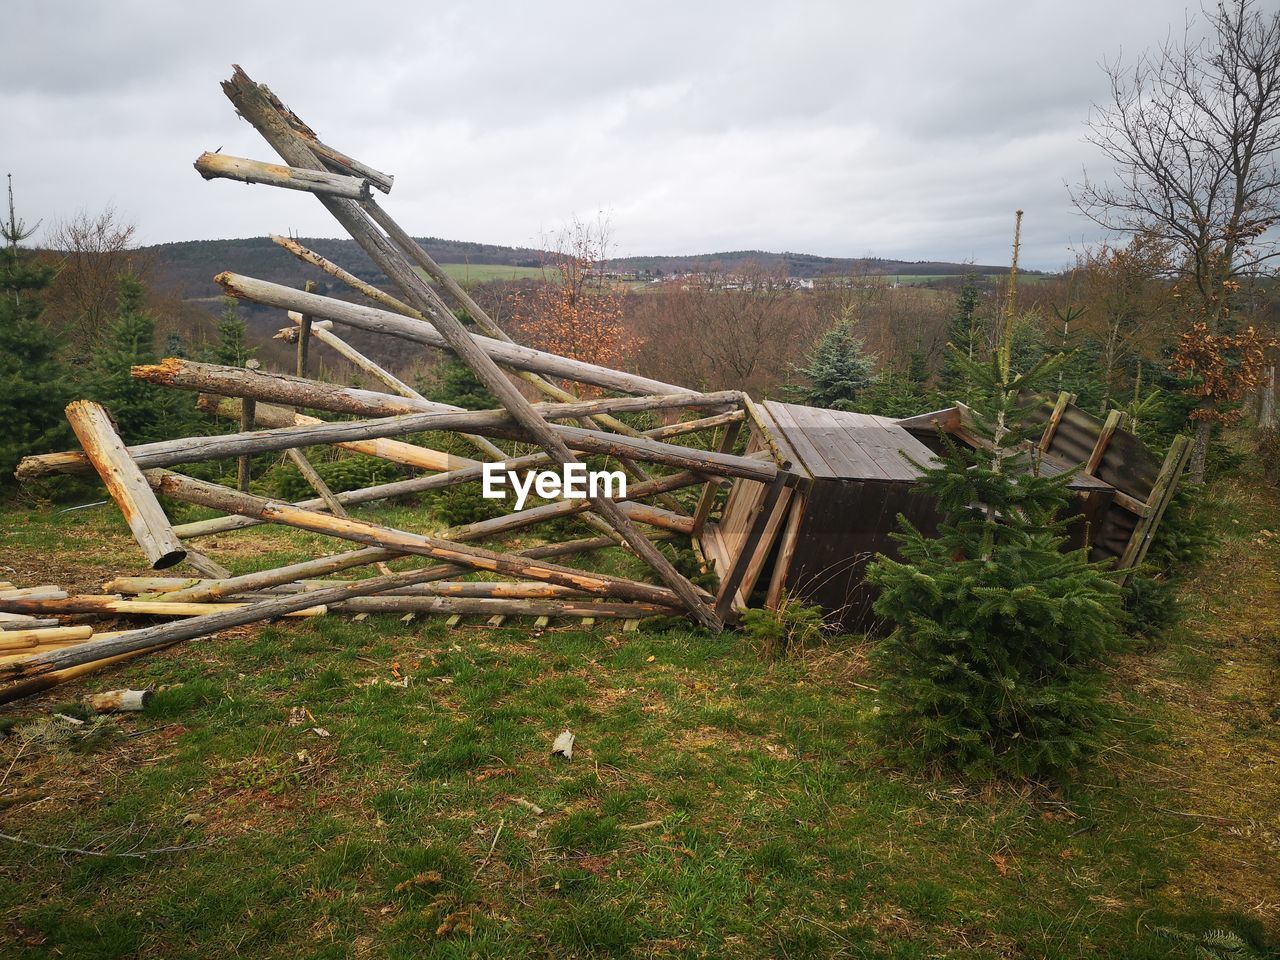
[(837, 371), (34, 381), (992, 668)]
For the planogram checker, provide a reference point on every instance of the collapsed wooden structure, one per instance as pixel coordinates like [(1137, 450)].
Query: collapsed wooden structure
[(812, 498), (856, 473)]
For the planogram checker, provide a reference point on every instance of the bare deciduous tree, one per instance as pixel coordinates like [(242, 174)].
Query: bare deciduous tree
[(719, 331), (93, 251), (1193, 130)]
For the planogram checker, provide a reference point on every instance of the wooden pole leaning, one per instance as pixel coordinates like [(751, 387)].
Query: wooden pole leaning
[(125, 483)]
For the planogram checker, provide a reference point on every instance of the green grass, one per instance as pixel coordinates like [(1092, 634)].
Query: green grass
[(780, 832), (468, 274)]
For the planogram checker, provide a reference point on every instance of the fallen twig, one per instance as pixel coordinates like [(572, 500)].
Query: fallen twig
[(136, 854)]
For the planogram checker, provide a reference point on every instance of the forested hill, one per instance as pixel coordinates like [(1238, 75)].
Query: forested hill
[(188, 268)]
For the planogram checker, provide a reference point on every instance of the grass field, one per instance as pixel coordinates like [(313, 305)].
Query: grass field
[(472, 273), (718, 804)]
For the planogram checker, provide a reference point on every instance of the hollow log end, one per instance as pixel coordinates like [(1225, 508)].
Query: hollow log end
[(168, 559)]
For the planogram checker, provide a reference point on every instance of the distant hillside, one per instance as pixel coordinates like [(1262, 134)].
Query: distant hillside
[(188, 268), (799, 265)]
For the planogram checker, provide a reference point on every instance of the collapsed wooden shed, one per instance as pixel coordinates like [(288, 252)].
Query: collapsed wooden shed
[(856, 474)]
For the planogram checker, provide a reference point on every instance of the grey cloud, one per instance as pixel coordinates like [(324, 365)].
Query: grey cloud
[(907, 130)]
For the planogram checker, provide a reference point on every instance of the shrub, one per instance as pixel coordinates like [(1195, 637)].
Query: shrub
[(1185, 535), (790, 628), (1151, 604)]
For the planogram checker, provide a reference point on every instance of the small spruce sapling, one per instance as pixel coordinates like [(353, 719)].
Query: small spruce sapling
[(992, 667)]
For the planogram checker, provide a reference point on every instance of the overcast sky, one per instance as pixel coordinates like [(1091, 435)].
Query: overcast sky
[(908, 130)]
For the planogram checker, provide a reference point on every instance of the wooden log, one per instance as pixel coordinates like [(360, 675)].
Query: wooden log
[(292, 391), (401, 488), (359, 531), (205, 566), (483, 589), (46, 591), (383, 321), (18, 639), (51, 679), (21, 621), (215, 166), (490, 606), (118, 701), (491, 422), (197, 591), (148, 608), (106, 452), (299, 574), (304, 336), (521, 519), (396, 451), (244, 462), (339, 162), (350, 353), (54, 666)]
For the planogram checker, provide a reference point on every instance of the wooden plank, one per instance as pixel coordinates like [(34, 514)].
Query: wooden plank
[(1109, 428), (1166, 486), (1050, 428), (727, 596), (814, 463), (786, 550), (756, 566), (707, 498)]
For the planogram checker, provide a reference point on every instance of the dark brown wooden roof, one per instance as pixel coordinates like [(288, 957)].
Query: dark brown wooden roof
[(835, 444)]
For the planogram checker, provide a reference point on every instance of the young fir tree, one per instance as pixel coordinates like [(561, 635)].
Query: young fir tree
[(34, 382), (231, 348), (964, 333), (142, 411), (838, 370), (992, 666)]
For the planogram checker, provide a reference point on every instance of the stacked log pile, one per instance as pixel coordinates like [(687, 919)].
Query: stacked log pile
[(561, 427)]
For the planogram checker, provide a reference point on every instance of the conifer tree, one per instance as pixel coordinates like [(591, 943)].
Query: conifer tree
[(231, 348), (964, 333), (34, 382), (838, 370), (142, 412), (992, 665)]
